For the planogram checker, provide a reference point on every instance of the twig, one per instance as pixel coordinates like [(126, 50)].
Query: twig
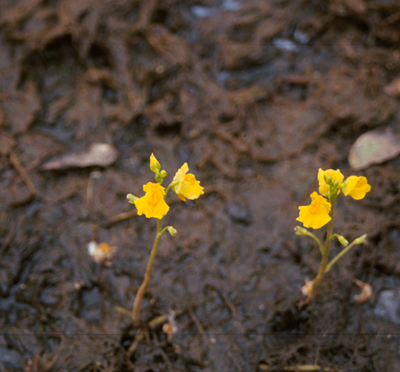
[(22, 172), (161, 319), (197, 322), (120, 217), (138, 337), (90, 187), (235, 314)]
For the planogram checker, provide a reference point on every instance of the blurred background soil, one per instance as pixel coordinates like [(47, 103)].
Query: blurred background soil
[(255, 96)]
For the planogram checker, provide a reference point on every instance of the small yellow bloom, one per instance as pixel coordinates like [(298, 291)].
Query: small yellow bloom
[(323, 186), (154, 164), (316, 214), (356, 187), (185, 185), (152, 205)]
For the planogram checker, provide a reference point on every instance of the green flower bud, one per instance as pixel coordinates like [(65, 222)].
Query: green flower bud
[(342, 240), (132, 198), (328, 179), (300, 230), (154, 164), (171, 230), (360, 239), (344, 184), (163, 174), (159, 178)]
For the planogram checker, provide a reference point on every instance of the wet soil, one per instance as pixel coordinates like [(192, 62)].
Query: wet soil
[(255, 96)]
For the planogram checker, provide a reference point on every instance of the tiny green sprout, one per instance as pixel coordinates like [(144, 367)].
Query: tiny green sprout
[(320, 212), (153, 205)]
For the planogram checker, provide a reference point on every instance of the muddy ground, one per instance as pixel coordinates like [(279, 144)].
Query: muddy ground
[(255, 95)]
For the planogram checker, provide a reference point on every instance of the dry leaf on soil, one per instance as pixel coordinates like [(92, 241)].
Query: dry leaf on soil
[(98, 154), (374, 147)]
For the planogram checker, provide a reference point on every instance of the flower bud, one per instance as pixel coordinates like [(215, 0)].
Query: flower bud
[(171, 230), (300, 230), (344, 184), (163, 174), (360, 239), (132, 198), (159, 178), (154, 164), (342, 240), (328, 179)]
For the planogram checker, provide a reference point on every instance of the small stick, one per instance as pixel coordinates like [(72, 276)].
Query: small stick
[(197, 322), (161, 319), (234, 312), (90, 187), (138, 337), (22, 172), (120, 217)]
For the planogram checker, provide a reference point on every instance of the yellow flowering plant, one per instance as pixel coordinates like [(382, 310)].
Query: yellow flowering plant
[(153, 205), (320, 212)]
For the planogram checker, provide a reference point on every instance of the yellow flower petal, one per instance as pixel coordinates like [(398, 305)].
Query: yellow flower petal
[(186, 185), (316, 214), (152, 205), (323, 186), (154, 164), (180, 173), (357, 187)]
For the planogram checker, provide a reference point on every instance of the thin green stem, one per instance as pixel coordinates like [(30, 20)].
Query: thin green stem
[(147, 275), (321, 247), (339, 256), (325, 257), (166, 191)]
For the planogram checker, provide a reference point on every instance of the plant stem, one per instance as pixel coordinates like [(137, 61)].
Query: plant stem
[(340, 255), (324, 260), (321, 247), (147, 275)]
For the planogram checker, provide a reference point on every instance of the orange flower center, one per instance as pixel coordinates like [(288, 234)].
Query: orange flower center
[(154, 198), (314, 207)]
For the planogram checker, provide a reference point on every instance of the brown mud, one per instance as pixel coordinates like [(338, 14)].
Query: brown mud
[(255, 95)]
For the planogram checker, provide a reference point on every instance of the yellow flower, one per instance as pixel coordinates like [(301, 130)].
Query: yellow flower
[(154, 164), (356, 187), (185, 185), (316, 214), (153, 203), (323, 186)]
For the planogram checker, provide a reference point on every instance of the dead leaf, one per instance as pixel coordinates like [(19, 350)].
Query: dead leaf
[(366, 291), (98, 154), (374, 147)]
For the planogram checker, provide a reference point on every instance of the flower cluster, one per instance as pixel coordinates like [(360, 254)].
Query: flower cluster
[(153, 204), (331, 183)]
